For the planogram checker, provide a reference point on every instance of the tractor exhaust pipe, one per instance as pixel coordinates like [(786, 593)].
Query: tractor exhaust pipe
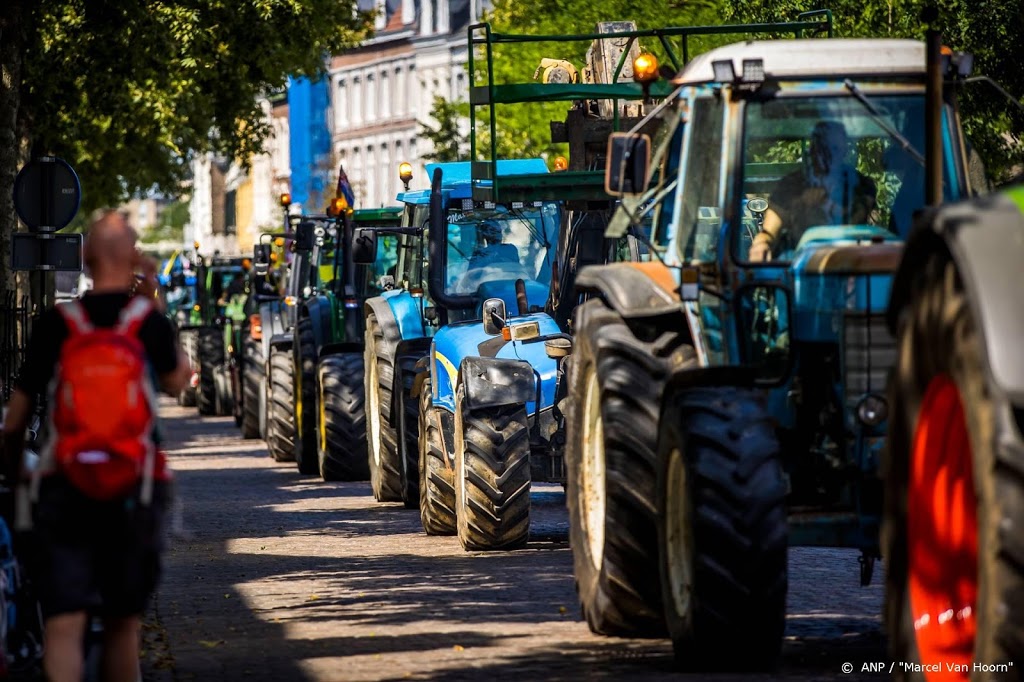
[(933, 119)]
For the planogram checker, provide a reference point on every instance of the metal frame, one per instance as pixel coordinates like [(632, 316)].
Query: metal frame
[(582, 184)]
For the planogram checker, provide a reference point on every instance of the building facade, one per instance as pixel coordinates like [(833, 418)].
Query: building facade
[(365, 116), (231, 205), (382, 91)]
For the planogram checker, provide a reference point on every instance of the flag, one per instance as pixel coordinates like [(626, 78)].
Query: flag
[(344, 188)]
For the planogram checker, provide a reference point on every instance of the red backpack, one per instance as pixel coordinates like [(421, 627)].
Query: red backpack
[(103, 405)]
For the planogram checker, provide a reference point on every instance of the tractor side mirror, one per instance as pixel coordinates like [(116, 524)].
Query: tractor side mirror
[(305, 236), (364, 246), (628, 163), (494, 316), (261, 258)]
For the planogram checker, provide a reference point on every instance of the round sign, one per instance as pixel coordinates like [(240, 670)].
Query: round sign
[(47, 194)]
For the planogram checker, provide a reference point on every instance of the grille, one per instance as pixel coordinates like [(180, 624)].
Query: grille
[(869, 352)]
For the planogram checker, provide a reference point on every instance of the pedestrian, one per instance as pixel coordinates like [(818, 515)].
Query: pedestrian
[(101, 489)]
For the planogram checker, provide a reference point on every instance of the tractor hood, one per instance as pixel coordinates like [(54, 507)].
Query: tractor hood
[(834, 280)]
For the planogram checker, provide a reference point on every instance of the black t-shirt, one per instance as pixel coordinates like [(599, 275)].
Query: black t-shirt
[(50, 331)]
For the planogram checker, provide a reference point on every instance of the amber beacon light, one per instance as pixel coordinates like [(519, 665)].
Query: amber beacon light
[(645, 68), (405, 173)]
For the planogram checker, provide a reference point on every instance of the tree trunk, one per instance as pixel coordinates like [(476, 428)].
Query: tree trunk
[(12, 50)]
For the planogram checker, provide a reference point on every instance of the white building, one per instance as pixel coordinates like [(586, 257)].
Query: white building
[(231, 206), (381, 91)]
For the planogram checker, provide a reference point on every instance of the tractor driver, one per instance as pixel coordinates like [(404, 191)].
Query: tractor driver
[(826, 191)]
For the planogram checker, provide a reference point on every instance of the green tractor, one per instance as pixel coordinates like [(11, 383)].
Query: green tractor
[(208, 333), (319, 353)]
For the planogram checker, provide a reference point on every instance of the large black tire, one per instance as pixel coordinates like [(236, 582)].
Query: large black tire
[(211, 357), (722, 529), (225, 397), (492, 476), (616, 382), (280, 414), (341, 451), (408, 434), (436, 473), (942, 361), (305, 398), (252, 385), (385, 474)]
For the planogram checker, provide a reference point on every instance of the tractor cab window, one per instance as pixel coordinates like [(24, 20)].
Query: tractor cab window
[(828, 168), (411, 251), (699, 217), (500, 244), (382, 275), (651, 215)]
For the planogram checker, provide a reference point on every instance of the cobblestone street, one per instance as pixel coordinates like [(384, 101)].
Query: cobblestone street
[(276, 576)]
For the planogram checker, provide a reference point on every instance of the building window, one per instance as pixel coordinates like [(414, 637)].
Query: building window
[(229, 213), (368, 98), (341, 107), (398, 91), (355, 111)]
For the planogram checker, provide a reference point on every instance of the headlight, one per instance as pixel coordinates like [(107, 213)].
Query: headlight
[(872, 410)]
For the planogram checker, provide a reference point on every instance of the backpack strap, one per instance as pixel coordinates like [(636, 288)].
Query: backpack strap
[(75, 317), (133, 315)]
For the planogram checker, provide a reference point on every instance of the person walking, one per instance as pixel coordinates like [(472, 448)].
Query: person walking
[(101, 488)]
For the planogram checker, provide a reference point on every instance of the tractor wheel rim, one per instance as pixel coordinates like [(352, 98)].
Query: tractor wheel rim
[(373, 405), (678, 536), (593, 472), (942, 530), (322, 430)]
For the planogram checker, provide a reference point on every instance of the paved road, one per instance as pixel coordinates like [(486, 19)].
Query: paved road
[(276, 576)]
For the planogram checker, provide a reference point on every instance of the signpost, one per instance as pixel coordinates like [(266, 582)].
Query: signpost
[(47, 195)]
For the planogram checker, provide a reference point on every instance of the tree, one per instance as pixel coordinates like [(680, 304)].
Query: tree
[(128, 92), (447, 136)]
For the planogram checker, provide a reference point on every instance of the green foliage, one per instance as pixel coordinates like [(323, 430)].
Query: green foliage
[(992, 30), (446, 137), (128, 91)]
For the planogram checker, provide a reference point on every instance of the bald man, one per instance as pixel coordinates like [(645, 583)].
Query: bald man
[(96, 557)]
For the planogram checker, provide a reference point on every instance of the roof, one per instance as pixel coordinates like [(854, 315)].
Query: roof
[(462, 170), (816, 57), (457, 179)]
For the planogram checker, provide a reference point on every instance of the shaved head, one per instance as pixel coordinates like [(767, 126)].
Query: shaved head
[(110, 252)]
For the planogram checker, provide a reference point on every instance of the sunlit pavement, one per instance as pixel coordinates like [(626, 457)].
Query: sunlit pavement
[(276, 576)]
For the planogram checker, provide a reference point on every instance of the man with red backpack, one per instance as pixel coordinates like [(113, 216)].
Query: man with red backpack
[(101, 486)]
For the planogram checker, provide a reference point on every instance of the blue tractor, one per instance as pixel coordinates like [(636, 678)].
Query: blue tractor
[(400, 324), (728, 399)]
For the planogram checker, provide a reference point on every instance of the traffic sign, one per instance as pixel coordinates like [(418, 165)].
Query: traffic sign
[(54, 252), (47, 194)]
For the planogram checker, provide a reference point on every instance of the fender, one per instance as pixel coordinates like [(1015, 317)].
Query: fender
[(318, 309), (636, 291), (282, 341), (985, 238), (490, 382), (386, 319), (273, 324)]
